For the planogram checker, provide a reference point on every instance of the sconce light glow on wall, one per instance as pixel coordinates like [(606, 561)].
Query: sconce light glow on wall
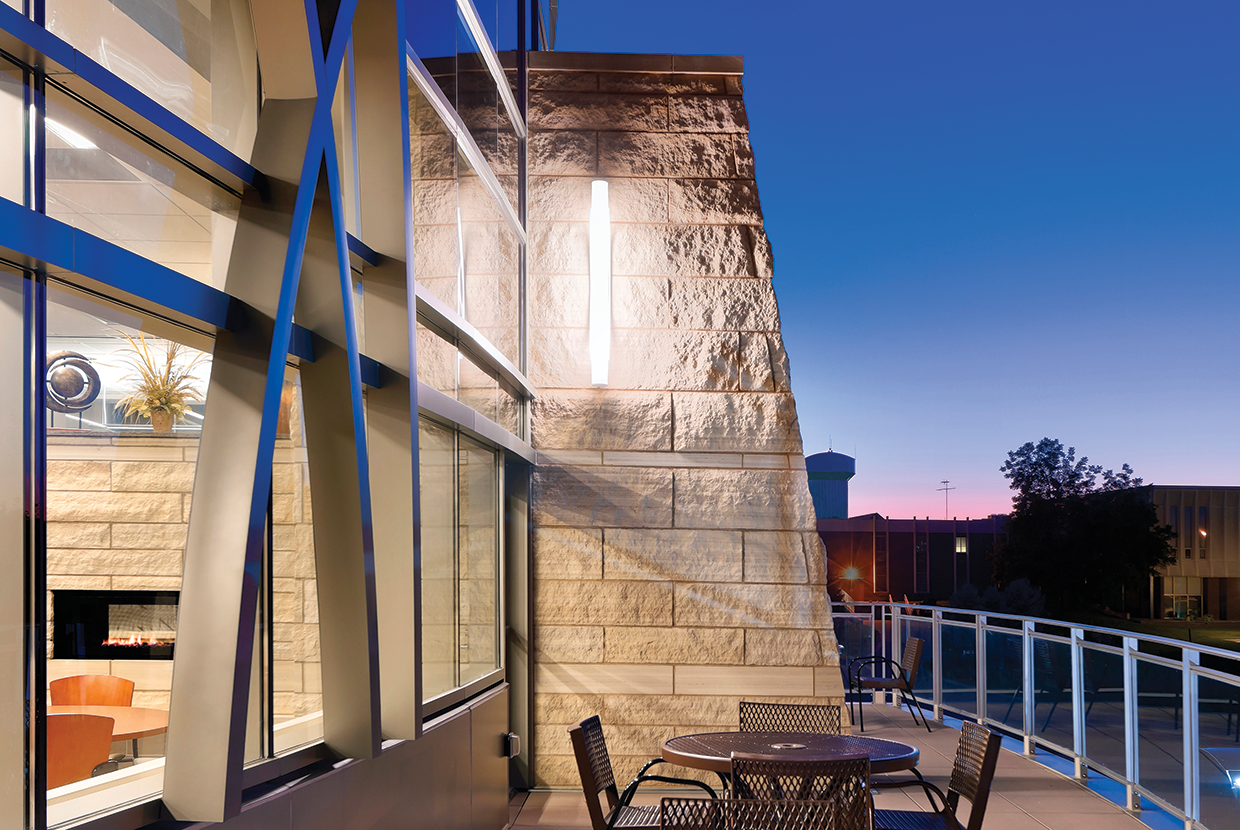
[(600, 283)]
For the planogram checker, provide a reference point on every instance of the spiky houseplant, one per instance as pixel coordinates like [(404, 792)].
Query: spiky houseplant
[(163, 390)]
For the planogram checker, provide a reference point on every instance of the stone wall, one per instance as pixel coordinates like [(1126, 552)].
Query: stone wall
[(677, 568), (118, 508)]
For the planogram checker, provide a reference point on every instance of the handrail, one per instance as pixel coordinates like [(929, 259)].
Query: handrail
[(1154, 710)]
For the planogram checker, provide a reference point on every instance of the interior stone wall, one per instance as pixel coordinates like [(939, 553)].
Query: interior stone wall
[(677, 567), (118, 509)]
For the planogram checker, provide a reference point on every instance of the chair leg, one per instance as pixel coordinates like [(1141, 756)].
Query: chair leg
[(934, 807), (914, 702), (860, 704)]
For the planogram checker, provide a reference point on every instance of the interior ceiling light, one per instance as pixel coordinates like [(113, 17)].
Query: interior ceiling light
[(600, 283)]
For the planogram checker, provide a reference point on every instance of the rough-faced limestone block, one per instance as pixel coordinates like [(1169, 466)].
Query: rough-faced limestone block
[(640, 303), (726, 304), (676, 555), (113, 562), (815, 558), (587, 111), (79, 475), (719, 712), (711, 646), (602, 496), (432, 155), (564, 81), (568, 602), (435, 255), (638, 200), (751, 606), (57, 582), (434, 202), (561, 247), (153, 476), (743, 152), (756, 372), (106, 507), (168, 536), (677, 359), (744, 499), (730, 422), (775, 556), (558, 300), (560, 358), (763, 258), (639, 82), (781, 647), (563, 153), (680, 251), (567, 553), (568, 199), (78, 535), (714, 202), (708, 114), (570, 644), (665, 155), (602, 419), (146, 583)]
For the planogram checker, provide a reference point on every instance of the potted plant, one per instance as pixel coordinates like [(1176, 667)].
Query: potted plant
[(163, 390)]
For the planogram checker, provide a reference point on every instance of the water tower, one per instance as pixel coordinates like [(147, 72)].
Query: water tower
[(829, 473)]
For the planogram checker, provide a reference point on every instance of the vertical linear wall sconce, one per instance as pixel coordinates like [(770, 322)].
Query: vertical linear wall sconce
[(600, 283)]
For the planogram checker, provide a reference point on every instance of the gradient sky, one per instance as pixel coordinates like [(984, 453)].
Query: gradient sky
[(992, 222)]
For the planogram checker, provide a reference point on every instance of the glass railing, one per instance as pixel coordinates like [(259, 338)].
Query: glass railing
[(1159, 716)]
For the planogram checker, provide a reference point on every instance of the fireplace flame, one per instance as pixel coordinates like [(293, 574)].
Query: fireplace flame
[(136, 640)]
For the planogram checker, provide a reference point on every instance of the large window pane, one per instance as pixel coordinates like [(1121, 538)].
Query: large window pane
[(108, 183), (121, 459), (13, 137), (436, 259), (479, 540), (437, 455), (196, 58)]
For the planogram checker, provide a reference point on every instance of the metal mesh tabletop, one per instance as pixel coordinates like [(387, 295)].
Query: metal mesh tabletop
[(713, 750)]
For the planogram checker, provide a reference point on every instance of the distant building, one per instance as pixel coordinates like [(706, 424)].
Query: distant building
[(829, 473), (872, 557), (1205, 578)]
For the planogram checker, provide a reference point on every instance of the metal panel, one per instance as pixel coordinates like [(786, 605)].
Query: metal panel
[(489, 761), (519, 637), (13, 399)]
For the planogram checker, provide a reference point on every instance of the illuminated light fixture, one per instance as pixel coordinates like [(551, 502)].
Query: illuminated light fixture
[(71, 137), (600, 283), (852, 573)]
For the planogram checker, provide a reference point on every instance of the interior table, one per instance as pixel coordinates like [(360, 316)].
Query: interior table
[(128, 723), (713, 750)]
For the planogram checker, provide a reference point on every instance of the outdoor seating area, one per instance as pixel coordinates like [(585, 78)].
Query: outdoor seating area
[(87, 714), (964, 769)]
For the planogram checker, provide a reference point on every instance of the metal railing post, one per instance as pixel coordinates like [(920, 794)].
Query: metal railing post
[(936, 661), (890, 698), (1028, 689), (979, 659), (1132, 758), (1192, 740), (1080, 770)]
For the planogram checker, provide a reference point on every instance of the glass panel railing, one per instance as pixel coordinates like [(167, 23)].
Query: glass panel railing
[(960, 667), (1052, 692), (1160, 741), (1218, 735), (922, 628), (1005, 694), (1104, 708)]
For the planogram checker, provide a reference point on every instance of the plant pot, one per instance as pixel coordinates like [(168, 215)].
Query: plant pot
[(161, 420)]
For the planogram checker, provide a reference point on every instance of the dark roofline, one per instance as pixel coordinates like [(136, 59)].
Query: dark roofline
[(622, 62)]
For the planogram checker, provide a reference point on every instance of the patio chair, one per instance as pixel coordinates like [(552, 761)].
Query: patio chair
[(77, 748), (843, 781), (904, 676), (820, 718), (91, 690), (974, 770), (597, 777), (764, 814)]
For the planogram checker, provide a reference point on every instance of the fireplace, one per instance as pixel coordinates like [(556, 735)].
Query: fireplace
[(114, 625)]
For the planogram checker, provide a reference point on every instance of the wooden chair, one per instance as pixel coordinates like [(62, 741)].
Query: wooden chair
[(977, 754), (820, 718), (756, 814), (77, 746), (903, 677), (91, 690), (843, 781), (597, 777)]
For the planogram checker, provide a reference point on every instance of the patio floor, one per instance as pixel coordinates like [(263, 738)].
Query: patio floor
[(1025, 796)]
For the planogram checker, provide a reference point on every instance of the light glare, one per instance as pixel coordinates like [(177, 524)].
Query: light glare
[(600, 283)]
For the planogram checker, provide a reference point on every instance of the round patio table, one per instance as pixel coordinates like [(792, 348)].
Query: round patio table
[(713, 750)]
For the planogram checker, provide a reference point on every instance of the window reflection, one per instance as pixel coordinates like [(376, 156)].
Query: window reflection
[(12, 140)]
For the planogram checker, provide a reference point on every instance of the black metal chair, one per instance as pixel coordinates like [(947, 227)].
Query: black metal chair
[(760, 814), (597, 777), (904, 675), (820, 718), (977, 754), (844, 780)]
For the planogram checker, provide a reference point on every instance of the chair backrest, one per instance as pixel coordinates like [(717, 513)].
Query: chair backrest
[(753, 814), (790, 717), (844, 781), (76, 744), (91, 690), (910, 661), (977, 754), (594, 767)]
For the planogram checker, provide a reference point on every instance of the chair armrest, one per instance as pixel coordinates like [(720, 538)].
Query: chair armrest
[(650, 764), (631, 789), (897, 672), (916, 782)]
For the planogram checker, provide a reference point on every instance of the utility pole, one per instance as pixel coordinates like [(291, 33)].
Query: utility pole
[(944, 489)]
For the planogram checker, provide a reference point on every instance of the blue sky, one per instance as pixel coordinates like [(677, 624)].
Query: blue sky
[(992, 222)]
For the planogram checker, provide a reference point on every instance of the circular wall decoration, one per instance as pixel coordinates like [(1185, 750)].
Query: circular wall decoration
[(72, 383)]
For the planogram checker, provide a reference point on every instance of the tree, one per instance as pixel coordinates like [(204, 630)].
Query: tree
[(1084, 543)]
